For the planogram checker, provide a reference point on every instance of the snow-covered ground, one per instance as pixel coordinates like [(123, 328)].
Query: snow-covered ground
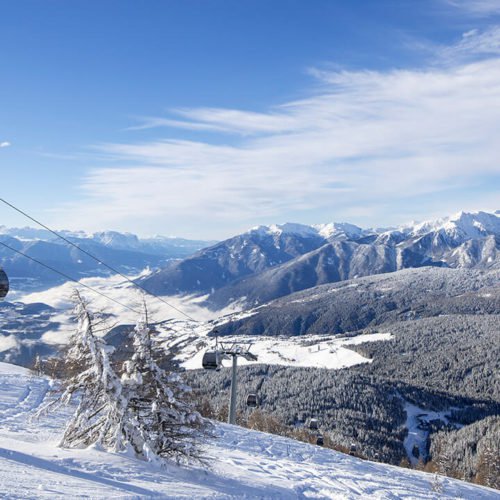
[(242, 464), (315, 351), (417, 420), (188, 338)]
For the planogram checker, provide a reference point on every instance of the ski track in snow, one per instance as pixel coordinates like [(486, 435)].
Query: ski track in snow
[(242, 463)]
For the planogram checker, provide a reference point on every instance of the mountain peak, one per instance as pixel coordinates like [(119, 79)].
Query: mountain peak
[(326, 230), (462, 225), (286, 228), (335, 228)]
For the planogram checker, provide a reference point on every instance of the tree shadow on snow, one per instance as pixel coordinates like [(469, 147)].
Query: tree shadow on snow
[(30, 460)]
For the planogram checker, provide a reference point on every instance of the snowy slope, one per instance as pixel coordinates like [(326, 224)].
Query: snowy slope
[(243, 464), (315, 351), (465, 240), (46, 322)]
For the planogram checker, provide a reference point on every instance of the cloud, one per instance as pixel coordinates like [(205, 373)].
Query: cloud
[(231, 121), (473, 44), (364, 142), (477, 7), (4, 144)]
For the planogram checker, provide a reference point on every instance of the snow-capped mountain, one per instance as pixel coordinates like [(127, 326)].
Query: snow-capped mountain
[(342, 229), (271, 261), (330, 230), (459, 227), (246, 254), (124, 251), (155, 245)]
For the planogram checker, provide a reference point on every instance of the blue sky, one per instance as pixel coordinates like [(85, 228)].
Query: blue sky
[(203, 118)]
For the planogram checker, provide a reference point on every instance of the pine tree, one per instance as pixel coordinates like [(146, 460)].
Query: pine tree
[(146, 409), (488, 466), (93, 383), (165, 423)]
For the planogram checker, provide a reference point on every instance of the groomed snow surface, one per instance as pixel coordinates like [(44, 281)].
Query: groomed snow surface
[(242, 463)]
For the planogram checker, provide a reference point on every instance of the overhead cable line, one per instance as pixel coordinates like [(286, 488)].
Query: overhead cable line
[(69, 277), (55, 233)]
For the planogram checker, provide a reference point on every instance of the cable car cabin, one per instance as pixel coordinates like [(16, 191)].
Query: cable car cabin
[(352, 450), (211, 360), (4, 284), (313, 424), (319, 440), (252, 400)]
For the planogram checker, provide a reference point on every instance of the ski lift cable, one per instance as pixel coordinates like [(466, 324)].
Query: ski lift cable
[(100, 261), (69, 277)]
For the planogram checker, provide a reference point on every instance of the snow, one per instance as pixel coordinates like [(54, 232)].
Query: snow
[(325, 230), (461, 225), (335, 228), (315, 351), (287, 228), (156, 244), (417, 436), (242, 464), (8, 342), (7, 368)]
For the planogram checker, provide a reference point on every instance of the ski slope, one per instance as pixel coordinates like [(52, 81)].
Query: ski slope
[(241, 463)]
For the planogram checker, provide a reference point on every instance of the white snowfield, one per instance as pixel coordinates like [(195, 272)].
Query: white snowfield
[(241, 464), (315, 351)]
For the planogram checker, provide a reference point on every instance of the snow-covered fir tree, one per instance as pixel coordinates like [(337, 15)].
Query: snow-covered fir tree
[(146, 409), (159, 404), (93, 383)]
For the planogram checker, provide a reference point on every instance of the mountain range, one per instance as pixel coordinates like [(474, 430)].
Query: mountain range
[(124, 251), (268, 262), (370, 301), (427, 294)]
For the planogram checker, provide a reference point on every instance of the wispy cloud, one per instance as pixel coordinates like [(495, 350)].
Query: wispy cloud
[(477, 7), (365, 142), (231, 121), (473, 44), (4, 144)]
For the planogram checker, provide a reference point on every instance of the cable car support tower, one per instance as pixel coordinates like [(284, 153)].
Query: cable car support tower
[(212, 360)]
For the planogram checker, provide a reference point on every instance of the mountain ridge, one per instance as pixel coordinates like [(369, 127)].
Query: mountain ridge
[(267, 262), (123, 251)]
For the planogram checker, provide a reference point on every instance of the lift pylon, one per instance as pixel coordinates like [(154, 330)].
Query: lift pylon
[(212, 360)]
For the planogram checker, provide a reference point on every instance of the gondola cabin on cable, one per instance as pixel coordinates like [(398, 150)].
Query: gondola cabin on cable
[(4, 284), (313, 424), (252, 401), (319, 440), (212, 360)]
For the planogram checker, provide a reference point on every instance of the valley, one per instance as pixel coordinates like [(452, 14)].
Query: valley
[(391, 362)]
